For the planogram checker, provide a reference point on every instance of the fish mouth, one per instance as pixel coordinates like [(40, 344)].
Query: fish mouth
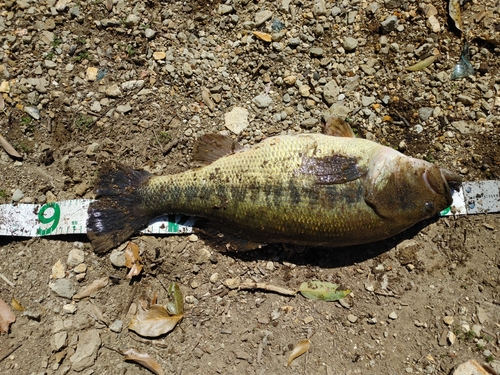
[(441, 181)]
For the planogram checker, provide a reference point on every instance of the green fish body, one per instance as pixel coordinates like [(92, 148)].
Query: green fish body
[(308, 189)]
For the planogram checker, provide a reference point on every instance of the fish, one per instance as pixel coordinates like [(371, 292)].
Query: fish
[(330, 189)]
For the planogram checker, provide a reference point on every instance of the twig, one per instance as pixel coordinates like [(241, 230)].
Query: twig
[(269, 288), (7, 281), (9, 353), (113, 349), (386, 294)]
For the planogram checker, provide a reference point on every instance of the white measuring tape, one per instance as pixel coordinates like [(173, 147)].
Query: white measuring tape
[(70, 217)]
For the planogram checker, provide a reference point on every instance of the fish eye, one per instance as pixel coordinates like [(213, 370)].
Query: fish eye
[(429, 207)]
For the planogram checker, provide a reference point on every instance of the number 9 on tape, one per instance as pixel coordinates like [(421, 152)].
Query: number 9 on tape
[(49, 214)]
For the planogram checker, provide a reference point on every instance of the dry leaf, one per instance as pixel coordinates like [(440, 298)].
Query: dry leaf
[(302, 347), (207, 98), (2, 103), (154, 322), (90, 289), (455, 14), (322, 290), (422, 64), (16, 305), (144, 360), (154, 299), (8, 148), (133, 260), (262, 36), (177, 307), (7, 317), (109, 5)]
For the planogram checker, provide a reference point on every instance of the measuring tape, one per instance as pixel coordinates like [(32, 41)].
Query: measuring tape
[(70, 217)]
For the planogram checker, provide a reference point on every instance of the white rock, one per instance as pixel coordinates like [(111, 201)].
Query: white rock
[(75, 257), (69, 308), (262, 101), (236, 120), (86, 350), (91, 73), (58, 270), (470, 367), (393, 315), (117, 258), (232, 283)]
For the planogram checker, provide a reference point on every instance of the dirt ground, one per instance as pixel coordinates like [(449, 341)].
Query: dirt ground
[(421, 302)]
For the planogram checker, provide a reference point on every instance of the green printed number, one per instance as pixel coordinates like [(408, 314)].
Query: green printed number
[(53, 218)]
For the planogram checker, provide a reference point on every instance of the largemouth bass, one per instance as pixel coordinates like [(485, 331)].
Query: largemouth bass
[(308, 189)]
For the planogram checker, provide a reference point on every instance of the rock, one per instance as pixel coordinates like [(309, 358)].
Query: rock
[(49, 64), (232, 283), (331, 92), (116, 326), (451, 337), (424, 113), (92, 148), (352, 318), (91, 73), (69, 308), (466, 127), (58, 270), (124, 108), (337, 110), (33, 112), (202, 256), (476, 328), (132, 20), (367, 100), (149, 33), (63, 288), (319, 8), (309, 123), (133, 85), (448, 320), (225, 9), (5, 87), (187, 70), (316, 52), (4, 73), (113, 91), (262, 16), (389, 24), (75, 257), (482, 316), (470, 367), (117, 258), (393, 315), (350, 44), (96, 107), (81, 268), (159, 55), (308, 319), (86, 350), (290, 80), (467, 100), (59, 341), (433, 24), (17, 195), (270, 266), (262, 101), (305, 91)]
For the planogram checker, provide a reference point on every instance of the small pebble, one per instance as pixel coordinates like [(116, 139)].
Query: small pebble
[(352, 318), (393, 315)]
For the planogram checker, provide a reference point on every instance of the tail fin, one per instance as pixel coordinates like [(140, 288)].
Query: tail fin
[(119, 211)]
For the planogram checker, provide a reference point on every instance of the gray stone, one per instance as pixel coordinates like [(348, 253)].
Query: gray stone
[(262, 16), (331, 92), (367, 100), (350, 43), (132, 20), (476, 328), (23, 4), (352, 318), (124, 108), (132, 85), (466, 127), (117, 258), (17, 196), (96, 107), (316, 52), (336, 11), (351, 16), (86, 350), (59, 341), (372, 8), (33, 112), (75, 12), (187, 70), (393, 315), (262, 101), (467, 100), (319, 8), (389, 24), (225, 9), (63, 288), (309, 123), (337, 109), (149, 33), (116, 326), (294, 42), (236, 120), (482, 316), (424, 113), (75, 257)]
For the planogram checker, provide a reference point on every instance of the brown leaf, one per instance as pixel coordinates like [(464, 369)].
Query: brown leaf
[(262, 36), (109, 5), (302, 347), (90, 289), (144, 360), (7, 317), (154, 322), (16, 305), (455, 13), (8, 148), (133, 260)]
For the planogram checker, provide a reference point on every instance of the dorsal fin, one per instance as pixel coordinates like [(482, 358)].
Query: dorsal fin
[(337, 127), (211, 147)]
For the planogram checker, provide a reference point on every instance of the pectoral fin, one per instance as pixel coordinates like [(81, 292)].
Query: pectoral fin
[(211, 147), (337, 127), (335, 169)]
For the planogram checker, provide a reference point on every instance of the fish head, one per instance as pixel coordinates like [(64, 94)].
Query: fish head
[(408, 190)]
